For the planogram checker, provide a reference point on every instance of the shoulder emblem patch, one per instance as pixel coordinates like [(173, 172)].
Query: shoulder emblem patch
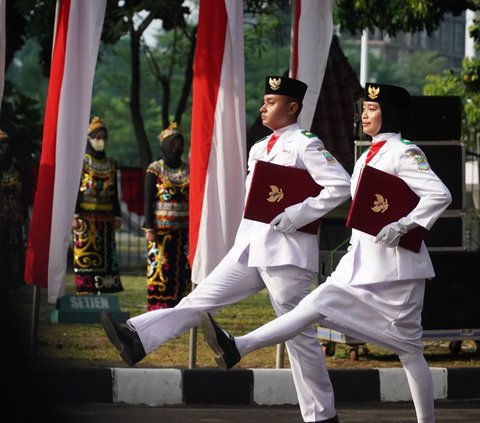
[(328, 156), (420, 161), (308, 134)]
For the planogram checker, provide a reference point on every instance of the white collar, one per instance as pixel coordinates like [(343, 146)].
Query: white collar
[(281, 131), (383, 136)]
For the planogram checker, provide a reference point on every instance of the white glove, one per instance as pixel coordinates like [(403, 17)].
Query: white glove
[(390, 234), (283, 224)]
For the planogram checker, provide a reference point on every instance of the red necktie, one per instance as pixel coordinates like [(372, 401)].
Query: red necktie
[(374, 150), (271, 141)]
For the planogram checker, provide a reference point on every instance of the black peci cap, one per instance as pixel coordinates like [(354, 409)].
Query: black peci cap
[(394, 102), (282, 85), (386, 94)]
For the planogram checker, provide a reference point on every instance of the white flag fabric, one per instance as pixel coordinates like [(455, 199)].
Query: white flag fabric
[(77, 39), (312, 33), (218, 135), (3, 35)]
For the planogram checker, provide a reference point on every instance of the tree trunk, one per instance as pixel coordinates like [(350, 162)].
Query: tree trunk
[(137, 119), (187, 83)]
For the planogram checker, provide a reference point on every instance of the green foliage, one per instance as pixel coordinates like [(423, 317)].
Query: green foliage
[(40, 16), (418, 65), (265, 33), (466, 85), (21, 119), (448, 83), (267, 26), (392, 16), (111, 96), (471, 74), (26, 73), (111, 85), (70, 345), (411, 75), (475, 27)]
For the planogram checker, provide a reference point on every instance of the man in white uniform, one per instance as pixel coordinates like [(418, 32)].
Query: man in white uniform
[(376, 292), (274, 256)]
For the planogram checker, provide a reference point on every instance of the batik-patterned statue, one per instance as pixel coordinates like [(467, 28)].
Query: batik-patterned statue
[(166, 223), (97, 216)]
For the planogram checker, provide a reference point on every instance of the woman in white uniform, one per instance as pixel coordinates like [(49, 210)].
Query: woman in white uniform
[(376, 292)]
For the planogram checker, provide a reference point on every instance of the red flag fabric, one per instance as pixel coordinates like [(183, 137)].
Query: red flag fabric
[(132, 183), (218, 135), (312, 34), (77, 38)]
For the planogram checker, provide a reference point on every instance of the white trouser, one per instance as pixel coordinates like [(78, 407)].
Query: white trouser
[(231, 282), (290, 324)]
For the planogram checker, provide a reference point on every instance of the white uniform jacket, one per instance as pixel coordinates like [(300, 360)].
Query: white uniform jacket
[(265, 245), (379, 263)]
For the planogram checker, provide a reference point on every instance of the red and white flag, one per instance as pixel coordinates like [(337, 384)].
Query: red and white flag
[(77, 39), (218, 135), (3, 35), (312, 32)]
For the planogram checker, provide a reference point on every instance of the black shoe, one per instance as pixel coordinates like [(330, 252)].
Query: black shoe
[(220, 342), (332, 420), (125, 340)]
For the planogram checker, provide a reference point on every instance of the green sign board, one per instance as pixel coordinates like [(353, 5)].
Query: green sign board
[(85, 309)]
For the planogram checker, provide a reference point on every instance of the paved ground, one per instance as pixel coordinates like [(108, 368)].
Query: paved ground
[(446, 412)]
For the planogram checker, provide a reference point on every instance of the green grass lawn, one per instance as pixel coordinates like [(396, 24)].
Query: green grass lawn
[(85, 345)]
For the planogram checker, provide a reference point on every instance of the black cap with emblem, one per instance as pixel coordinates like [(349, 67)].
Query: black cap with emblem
[(394, 102), (281, 85)]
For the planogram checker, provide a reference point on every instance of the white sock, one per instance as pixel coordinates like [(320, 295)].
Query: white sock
[(421, 385)]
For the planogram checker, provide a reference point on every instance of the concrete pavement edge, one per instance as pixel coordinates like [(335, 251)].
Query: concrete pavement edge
[(158, 387)]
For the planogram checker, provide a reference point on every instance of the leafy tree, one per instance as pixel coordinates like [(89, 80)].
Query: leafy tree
[(174, 55), (411, 74), (465, 84), (126, 18), (393, 16), (133, 18), (111, 101), (27, 74), (170, 62), (20, 119), (415, 15), (20, 114)]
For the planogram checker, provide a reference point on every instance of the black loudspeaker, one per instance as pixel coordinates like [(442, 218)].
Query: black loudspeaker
[(452, 298), (447, 160), (434, 118), (448, 232)]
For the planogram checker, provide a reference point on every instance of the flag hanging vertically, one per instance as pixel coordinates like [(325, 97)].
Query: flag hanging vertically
[(218, 135), (312, 31), (77, 38)]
